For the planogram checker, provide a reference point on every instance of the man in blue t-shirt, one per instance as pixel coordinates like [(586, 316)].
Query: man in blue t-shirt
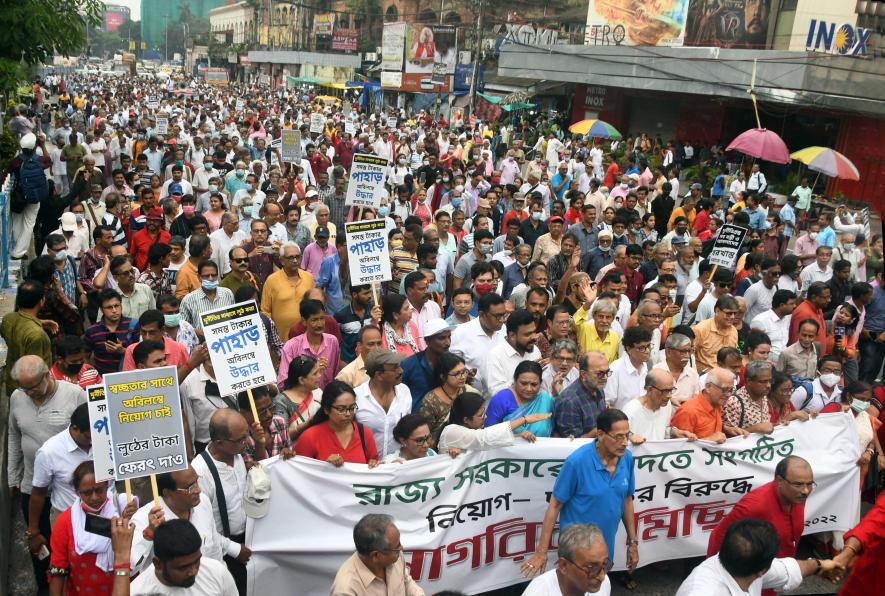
[(595, 485)]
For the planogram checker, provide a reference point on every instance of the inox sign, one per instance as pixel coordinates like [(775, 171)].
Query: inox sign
[(846, 39)]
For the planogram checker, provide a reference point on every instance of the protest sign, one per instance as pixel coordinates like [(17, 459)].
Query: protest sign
[(366, 181), (726, 246), (277, 143), (317, 122), (346, 107), (291, 149), (350, 127), (368, 254), (391, 121), (238, 349), (240, 104), (102, 447), (153, 102), (162, 125), (467, 523), (144, 410)]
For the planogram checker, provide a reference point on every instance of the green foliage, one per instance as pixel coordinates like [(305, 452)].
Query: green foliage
[(789, 183)]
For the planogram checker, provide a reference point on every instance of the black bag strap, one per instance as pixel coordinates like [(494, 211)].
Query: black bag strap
[(362, 433), (743, 412), (219, 493)]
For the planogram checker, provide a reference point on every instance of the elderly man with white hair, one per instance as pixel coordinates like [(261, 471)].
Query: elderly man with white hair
[(677, 362), (650, 414), (582, 567), (702, 414)]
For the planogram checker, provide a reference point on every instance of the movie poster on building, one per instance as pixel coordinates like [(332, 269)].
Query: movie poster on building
[(102, 446), (468, 523), (632, 23), (323, 24), (238, 347), (367, 176), (346, 40), (728, 23), (427, 45), (368, 255), (144, 411), (393, 42)]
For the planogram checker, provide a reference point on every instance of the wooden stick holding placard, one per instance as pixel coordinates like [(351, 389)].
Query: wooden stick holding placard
[(375, 294), (128, 484), (154, 490), (252, 405)]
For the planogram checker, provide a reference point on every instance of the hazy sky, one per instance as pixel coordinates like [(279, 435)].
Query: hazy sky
[(134, 6)]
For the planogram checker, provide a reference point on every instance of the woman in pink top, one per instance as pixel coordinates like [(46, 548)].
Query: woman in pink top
[(398, 332)]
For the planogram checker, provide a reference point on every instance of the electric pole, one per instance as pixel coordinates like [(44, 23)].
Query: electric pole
[(477, 44)]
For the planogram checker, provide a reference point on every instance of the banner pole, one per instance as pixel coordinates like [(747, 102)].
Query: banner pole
[(252, 405), (128, 484), (375, 294), (154, 490)]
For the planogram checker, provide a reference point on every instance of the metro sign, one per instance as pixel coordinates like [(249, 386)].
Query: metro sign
[(847, 39)]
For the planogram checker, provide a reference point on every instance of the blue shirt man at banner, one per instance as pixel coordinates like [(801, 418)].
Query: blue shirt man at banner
[(596, 486)]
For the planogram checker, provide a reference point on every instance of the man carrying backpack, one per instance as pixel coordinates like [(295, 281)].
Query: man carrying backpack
[(30, 189)]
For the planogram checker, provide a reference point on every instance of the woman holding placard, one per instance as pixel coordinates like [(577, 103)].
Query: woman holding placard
[(82, 556), (398, 332), (300, 399)]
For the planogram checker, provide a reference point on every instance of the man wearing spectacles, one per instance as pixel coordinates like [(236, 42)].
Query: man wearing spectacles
[(579, 405), (582, 567), (628, 371), (718, 332), (650, 414), (377, 566), (596, 485), (180, 498), (780, 502), (702, 414)]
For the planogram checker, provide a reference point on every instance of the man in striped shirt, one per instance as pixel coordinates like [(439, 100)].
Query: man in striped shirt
[(70, 364), (107, 339), (207, 297)]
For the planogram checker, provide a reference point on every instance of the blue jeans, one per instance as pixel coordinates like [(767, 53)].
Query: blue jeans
[(872, 355)]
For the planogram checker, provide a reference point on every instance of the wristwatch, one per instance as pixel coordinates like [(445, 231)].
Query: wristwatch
[(819, 566), (633, 542)]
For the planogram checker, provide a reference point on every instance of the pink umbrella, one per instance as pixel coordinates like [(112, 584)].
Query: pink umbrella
[(761, 143)]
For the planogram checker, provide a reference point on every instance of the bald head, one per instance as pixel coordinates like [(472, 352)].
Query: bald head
[(657, 377), (29, 370), (225, 424)]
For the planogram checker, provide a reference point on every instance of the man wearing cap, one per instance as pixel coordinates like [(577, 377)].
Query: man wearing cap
[(176, 185), (317, 251), (549, 245), (383, 399), (418, 368), (600, 256), (24, 222), (152, 233)]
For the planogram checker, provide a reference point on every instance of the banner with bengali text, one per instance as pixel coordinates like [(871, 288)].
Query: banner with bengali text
[(467, 523)]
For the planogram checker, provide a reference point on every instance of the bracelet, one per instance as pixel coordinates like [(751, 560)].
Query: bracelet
[(817, 570), (147, 534), (122, 572), (125, 565), (856, 552), (633, 542)]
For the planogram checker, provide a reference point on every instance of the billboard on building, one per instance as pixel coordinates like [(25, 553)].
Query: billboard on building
[(323, 24), (115, 16), (393, 42), (728, 23), (427, 45), (631, 23), (345, 39)]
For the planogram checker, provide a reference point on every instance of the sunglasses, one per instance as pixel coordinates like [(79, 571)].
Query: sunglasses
[(243, 260)]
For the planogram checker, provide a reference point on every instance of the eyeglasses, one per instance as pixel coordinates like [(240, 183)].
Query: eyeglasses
[(621, 438), (127, 272), (564, 358), (34, 387), (800, 485), (346, 409), (422, 440), (190, 488), (603, 374), (240, 441), (730, 314), (458, 373), (292, 257), (667, 390), (825, 371), (593, 569), (243, 260), (642, 348)]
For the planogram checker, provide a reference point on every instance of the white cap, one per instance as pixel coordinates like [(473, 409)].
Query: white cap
[(29, 141), (310, 194), (68, 222), (434, 326), (256, 498)]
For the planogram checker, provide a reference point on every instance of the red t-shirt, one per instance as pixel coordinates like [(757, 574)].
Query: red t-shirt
[(762, 503), (869, 569), (141, 242), (320, 442)]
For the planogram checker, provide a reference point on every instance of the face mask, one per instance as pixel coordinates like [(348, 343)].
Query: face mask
[(605, 249), (240, 172), (74, 369), (859, 406), (80, 219), (621, 235), (486, 249), (812, 235), (61, 255), (847, 247), (171, 320), (537, 215), (179, 162), (248, 187), (188, 210), (383, 211), (456, 202), (829, 379), (402, 160), (445, 179), (247, 210), (483, 289), (208, 166), (209, 285)]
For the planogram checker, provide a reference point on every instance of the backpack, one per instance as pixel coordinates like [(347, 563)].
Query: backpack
[(32, 180)]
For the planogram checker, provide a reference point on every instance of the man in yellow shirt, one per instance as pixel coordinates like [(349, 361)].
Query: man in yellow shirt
[(595, 335), (284, 289), (687, 209), (716, 333)]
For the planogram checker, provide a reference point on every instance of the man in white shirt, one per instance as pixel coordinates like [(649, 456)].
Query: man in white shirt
[(820, 270), (222, 461), (55, 464), (226, 237), (180, 498), (737, 188), (383, 399), (582, 567), (505, 356), (757, 183), (474, 340), (179, 567), (628, 372), (775, 322), (650, 414), (746, 565), (760, 295)]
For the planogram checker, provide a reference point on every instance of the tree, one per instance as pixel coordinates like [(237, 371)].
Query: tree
[(35, 30)]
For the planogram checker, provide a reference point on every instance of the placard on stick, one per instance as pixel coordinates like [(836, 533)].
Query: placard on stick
[(291, 149), (144, 411), (367, 176), (162, 125), (726, 246), (238, 348), (368, 255), (317, 123), (350, 127), (102, 445)]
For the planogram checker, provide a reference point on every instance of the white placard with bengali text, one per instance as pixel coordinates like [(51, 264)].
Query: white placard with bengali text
[(367, 175), (368, 255), (102, 445)]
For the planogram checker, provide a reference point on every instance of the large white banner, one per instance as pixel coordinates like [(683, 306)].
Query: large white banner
[(467, 523)]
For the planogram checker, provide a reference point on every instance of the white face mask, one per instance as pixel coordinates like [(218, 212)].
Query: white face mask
[(829, 379)]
